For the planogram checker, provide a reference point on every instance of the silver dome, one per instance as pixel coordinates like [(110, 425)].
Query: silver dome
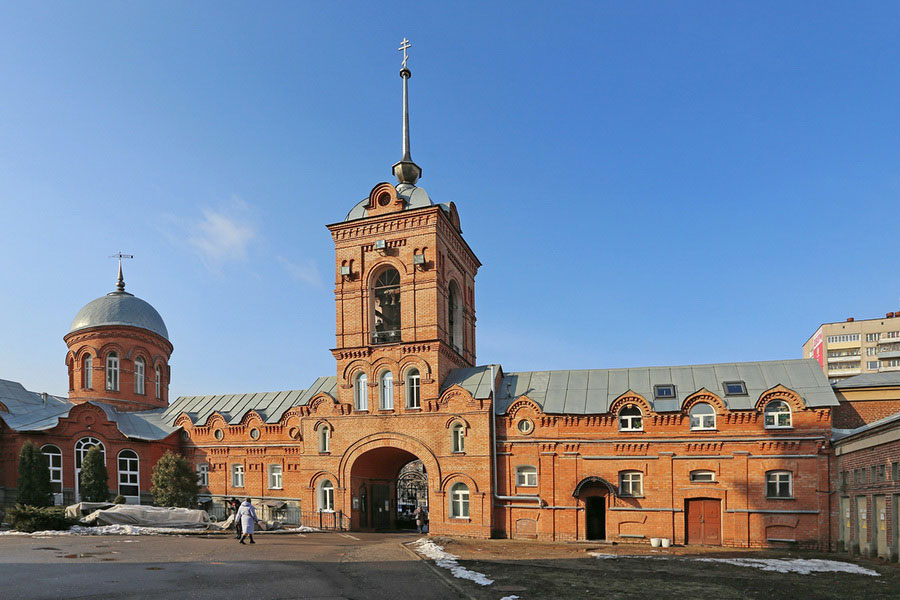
[(119, 308)]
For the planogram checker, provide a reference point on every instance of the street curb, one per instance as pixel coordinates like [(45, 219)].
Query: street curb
[(441, 573)]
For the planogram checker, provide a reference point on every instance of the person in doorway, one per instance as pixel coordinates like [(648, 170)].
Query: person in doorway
[(235, 504), (247, 515), (421, 516)]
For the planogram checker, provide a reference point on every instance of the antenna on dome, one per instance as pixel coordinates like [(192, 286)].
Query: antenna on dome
[(120, 284), (406, 171)]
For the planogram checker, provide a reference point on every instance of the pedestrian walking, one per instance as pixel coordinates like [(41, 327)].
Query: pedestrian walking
[(234, 504), (247, 515), (421, 516)]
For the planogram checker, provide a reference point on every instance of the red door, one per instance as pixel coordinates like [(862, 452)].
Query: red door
[(704, 522)]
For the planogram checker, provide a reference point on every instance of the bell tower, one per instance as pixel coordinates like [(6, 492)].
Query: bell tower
[(404, 291)]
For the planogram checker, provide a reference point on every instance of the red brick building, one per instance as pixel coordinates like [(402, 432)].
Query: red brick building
[(732, 454)]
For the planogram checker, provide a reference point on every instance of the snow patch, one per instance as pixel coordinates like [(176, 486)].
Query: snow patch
[(445, 560), (798, 565), (509, 598)]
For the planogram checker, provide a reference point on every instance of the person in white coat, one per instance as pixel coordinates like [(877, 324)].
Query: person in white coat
[(247, 515)]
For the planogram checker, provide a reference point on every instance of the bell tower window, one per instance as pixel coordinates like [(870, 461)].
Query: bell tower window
[(387, 307)]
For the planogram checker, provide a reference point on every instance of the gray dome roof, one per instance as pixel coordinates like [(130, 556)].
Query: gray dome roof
[(119, 308), (412, 196)]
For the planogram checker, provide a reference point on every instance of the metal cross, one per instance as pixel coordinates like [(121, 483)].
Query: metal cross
[(404, 45), (120, 256), (120, 284)]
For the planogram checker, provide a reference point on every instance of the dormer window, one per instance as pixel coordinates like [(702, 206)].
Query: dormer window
[(735, 388), (630, 419), (663, 391)]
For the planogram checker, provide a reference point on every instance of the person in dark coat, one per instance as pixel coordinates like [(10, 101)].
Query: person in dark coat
[(421, 516), (234, 504)]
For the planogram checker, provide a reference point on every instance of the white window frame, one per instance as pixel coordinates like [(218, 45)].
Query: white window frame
[(82, 447), (459, 501), (526, 476), (131, 474), (237, 475), (386, 391), (631, 484), (158, 382), (276, 476), (780, 480), (326, 496), (140, 373), (361, 392), (458, 438), (55, 463), (87, 372), (112, 372), (631, 422), (704, 421), (203, 474), (873, 364), (774, 410), (413, 389), (325, 438), (703, 476)]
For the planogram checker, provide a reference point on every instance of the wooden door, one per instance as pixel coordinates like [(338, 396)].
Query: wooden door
[(704, 521), (381, 506), (595, 516)]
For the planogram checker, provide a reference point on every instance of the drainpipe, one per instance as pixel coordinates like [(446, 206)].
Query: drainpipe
[(494, 450)]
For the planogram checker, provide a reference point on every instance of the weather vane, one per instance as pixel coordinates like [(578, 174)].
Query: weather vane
[(404, 45), (120, 284)]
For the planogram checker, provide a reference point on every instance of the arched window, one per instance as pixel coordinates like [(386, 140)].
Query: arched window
[(324, 438), (361, 392), (326, 496), (387, 307), (82, 447), (777, 415), (631, 483), (386, 391), (129, 483), (87, 372), (54, 461), (630, 419), (458, 438), (112, 372), (158, 382), (459, 501), (526, 476), (703, 416), (139, 372), (413, 395), (454, 317)]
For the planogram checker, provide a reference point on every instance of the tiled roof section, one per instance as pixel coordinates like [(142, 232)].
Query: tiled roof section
[(890, 378), (30, 411), (271, 406), (593, 391)]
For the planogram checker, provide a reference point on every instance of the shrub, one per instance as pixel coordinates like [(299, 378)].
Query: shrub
[(120, 499), (94, 487), (174, 482), (33, 486), (39, 518)]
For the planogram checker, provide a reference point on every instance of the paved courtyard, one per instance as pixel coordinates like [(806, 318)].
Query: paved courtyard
[(375, 566)]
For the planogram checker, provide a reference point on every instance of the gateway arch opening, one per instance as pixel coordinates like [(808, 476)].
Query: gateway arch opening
[(387, 484)]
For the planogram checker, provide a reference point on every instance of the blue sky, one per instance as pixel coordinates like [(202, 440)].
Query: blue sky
[(647, 183)]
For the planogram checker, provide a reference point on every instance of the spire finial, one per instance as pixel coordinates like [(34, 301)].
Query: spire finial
[(406, 171), (120, 283)]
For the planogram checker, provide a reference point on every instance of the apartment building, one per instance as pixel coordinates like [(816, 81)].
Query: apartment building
[(849, 348)]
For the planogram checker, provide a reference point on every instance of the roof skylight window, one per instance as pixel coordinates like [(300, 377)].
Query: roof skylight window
[(735, 388), (664, 390)]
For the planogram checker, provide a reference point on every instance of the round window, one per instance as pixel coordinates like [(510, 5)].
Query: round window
[(254, 433), (384, 199), (185, 435), (525, 426), (219, 434)]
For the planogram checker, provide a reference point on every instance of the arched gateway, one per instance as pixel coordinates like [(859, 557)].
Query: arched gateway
[(385, 477)]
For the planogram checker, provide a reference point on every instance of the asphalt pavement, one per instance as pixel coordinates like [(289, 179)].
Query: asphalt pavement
[(326, 566)]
